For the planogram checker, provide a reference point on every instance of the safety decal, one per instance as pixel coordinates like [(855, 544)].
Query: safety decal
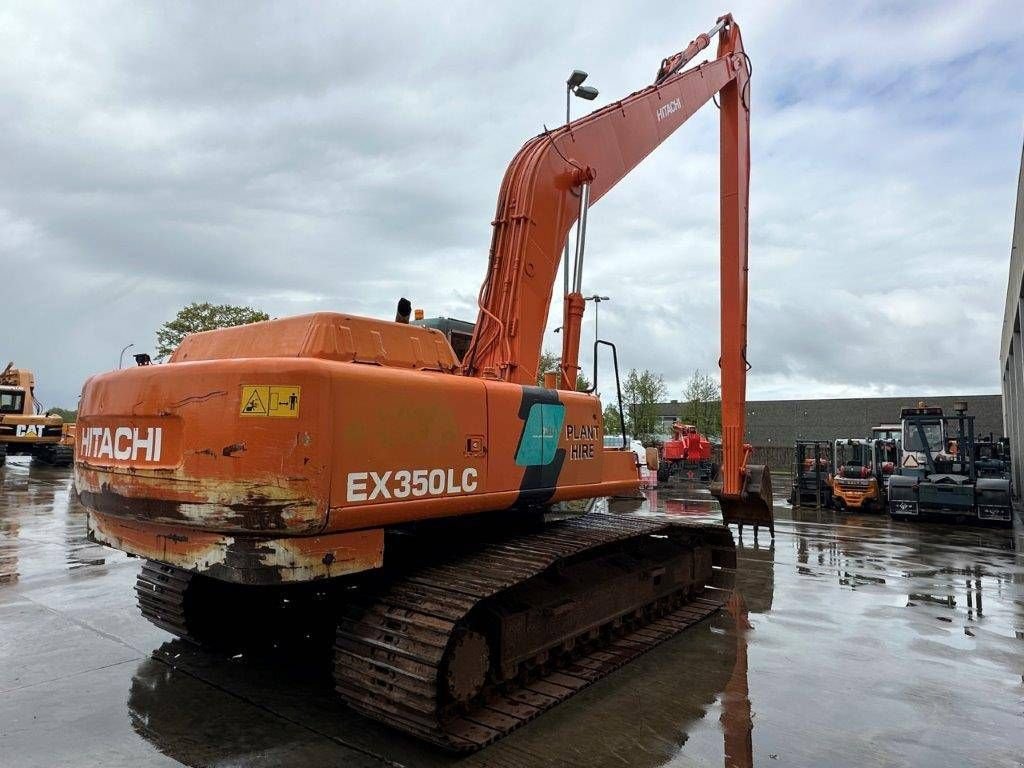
[(279, 400)]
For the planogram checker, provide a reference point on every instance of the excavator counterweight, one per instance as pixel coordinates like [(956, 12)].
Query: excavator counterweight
[(356, 480)]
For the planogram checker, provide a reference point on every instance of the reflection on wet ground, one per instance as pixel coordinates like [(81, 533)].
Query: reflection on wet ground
[(850, 641)]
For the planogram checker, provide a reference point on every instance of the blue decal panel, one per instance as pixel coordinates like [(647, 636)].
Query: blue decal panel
[(539, 441)]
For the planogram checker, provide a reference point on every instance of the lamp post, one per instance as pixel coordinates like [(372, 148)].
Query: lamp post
[(574, 86), (597, 303), (120, 359)]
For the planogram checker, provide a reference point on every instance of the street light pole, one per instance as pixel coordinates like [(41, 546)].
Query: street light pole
[(597, 303), (120, 359), (574, 86)]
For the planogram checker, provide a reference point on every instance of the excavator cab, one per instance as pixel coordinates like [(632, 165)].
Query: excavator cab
[(12, 400)]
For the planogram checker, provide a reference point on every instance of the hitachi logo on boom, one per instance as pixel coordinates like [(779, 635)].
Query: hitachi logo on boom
[(121, 443), (668, 108)]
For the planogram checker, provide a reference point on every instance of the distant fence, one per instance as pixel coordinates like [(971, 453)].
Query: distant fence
[(779, 458)]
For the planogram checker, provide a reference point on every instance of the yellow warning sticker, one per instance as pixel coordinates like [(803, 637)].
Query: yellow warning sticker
[(280, 400)]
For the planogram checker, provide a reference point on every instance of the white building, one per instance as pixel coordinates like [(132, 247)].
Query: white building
[(1011, 351)]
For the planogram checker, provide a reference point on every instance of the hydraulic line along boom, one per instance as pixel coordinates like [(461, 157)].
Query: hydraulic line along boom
[(551, 184)]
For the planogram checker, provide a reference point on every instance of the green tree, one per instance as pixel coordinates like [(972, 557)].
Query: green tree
[(612, 423), (643, 390), (549, 361), (67, 416), (202, 317), (702, 399)]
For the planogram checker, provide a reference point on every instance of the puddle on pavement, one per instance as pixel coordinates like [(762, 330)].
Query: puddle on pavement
[(851, 640)]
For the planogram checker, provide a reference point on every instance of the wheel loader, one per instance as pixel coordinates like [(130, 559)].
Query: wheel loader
[(344, 477), (24, 429)]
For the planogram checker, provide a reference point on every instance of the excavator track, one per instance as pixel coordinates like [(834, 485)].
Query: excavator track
[(426, 649), (54, 455), (224, 616), (415, 653), (160, 590)]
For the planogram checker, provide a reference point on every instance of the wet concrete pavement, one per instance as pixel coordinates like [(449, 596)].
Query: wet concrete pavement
[(851, 641)]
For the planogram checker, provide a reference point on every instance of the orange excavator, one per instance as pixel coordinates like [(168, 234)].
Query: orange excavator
[(260, 475)]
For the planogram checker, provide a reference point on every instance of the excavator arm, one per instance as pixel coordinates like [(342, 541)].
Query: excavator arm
[(549, 186)]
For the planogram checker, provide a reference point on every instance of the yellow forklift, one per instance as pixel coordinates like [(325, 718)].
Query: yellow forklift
[(862, 469)]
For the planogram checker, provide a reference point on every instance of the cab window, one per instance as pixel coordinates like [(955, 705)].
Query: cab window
[(11, 402), (932, 432)]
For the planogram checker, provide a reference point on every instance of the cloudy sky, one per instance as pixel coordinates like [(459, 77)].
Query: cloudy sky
[(300, 157)]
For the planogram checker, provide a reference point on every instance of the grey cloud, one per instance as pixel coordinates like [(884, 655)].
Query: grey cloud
[(304, 158)]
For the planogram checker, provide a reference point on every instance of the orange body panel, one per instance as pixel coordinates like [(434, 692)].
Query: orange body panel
[(264, 560), (167, 444), (317, 425), (369, 445)]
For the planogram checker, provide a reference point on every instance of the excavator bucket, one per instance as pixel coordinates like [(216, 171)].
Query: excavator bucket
[(754, 505)]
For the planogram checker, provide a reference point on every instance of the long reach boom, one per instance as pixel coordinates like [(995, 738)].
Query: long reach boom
[(547, 189)]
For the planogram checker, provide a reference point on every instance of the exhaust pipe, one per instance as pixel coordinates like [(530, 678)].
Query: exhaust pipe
[(404, 311)]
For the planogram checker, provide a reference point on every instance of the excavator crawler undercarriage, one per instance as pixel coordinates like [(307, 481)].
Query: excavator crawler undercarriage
[(464, 649)]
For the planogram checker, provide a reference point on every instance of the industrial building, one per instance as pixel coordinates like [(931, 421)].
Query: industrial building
[(772, 423), (1011, 354)]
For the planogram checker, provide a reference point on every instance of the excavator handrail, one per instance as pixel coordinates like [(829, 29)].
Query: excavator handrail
[(618, 387)]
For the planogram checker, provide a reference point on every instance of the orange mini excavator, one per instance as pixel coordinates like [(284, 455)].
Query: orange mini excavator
[(333, 471)]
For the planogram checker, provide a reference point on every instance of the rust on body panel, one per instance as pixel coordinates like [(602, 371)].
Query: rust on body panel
[(243, 559), (171, 496)]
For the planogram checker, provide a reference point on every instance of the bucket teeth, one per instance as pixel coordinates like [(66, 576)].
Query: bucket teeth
[(754, 505)]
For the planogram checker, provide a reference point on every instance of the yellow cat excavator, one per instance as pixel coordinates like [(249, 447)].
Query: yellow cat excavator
[(24, 429)]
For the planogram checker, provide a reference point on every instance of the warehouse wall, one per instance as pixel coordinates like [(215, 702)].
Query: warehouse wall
[(1011, 354), (782, 422), (770, 422)]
